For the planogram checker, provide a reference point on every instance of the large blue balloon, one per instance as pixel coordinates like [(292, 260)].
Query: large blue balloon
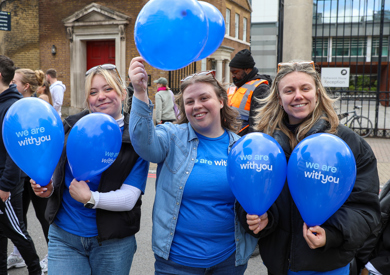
[(170, 34), (93, 145), (256, 170), (321, 174), (34, 137), (216, 29)]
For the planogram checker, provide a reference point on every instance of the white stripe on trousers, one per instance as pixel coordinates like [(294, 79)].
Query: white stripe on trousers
[(13, 219)]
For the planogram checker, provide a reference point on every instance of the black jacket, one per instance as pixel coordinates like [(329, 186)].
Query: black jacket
[(281, 243), (10, 173), (110, 224), (260, 92), (130, 93), (376, 248)]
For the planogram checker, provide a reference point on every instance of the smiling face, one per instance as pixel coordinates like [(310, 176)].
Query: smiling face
[(202, 108), (298, 96), (104, 99)]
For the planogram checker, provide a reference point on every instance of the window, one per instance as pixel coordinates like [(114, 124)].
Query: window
[(320, 47), (227, 22), (375, 46), (244, 29), (349, 47), (236, 25)]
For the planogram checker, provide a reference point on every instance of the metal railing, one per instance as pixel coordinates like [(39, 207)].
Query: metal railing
[(374, 106), (356, 34)]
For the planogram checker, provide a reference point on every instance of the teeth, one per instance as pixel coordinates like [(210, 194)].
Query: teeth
[(199, 115), (300, 105)]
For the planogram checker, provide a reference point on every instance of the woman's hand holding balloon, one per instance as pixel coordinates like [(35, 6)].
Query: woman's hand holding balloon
[(315, 236), (139, 78), (43, 192), (79, 190), (256, 223)]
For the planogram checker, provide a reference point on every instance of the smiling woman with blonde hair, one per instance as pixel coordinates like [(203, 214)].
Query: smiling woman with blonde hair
[(93, 222), (297, 107)]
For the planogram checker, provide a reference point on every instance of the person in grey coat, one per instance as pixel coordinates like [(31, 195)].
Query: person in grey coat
[(165, 102)]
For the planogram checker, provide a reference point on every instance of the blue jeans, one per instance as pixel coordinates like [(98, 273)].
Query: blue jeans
[(168, 267), (72, 254)]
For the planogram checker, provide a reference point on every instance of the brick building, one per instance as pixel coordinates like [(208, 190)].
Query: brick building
[(73, 35)]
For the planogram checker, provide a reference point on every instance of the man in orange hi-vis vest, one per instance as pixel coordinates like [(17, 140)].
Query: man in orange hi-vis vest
[(248, 85)]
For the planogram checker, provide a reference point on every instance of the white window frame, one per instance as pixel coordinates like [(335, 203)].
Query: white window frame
[(236, 25), (227, 22), (244, 26)]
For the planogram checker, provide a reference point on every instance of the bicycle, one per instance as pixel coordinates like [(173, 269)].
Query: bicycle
[(359, 124)]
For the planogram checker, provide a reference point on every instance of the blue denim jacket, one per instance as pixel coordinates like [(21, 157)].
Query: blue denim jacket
[(174, 148)]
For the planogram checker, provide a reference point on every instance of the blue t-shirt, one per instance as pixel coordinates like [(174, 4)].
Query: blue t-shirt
[(74, 218), (204, 233), (339, 271)]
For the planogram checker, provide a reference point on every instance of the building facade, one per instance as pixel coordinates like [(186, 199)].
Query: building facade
[(72, 36)]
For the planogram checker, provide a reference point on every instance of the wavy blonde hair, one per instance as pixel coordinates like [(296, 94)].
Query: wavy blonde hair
[(270, 116), (113, 81), (34, 78), (229, 117)]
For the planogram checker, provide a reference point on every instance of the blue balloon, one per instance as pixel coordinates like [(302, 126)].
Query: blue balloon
[(93, 145), (216, 29), (33, 136), (256, 171), (170, 34), (321, 174)]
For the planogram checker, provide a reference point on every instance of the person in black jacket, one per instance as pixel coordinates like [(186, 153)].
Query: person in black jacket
[(93, 223), (11, 184), (28, 82), (249, 86), (298, 106), (374, 256)]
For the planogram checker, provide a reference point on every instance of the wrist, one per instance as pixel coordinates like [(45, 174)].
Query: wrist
[(52, 189), (90, 203)]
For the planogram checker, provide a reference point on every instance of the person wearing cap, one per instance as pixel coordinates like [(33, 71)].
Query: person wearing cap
[(248, 86), (165, 102)]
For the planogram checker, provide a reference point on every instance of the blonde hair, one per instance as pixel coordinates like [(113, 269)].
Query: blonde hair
[(229, 117), (113, 81), (270, 116), (33, 78)]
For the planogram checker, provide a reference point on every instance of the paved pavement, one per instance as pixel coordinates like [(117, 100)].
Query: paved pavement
[(381, 148), (143, 263)]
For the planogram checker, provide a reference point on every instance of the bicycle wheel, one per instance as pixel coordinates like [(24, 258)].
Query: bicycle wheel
[(361, 125)]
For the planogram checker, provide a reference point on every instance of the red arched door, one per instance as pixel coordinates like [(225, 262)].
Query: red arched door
[(100, 52)]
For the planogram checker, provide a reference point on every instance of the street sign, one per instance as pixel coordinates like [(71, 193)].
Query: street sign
[(335, 77), (5, 21)]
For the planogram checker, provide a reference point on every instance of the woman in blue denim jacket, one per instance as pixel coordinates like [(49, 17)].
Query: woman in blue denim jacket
[(195, 228)]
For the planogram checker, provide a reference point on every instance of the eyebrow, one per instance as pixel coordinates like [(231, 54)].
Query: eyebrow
[(107, 85), (202, 94), (302, 85)]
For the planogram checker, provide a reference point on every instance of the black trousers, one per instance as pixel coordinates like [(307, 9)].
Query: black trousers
[(12, 227), (39, 205)]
